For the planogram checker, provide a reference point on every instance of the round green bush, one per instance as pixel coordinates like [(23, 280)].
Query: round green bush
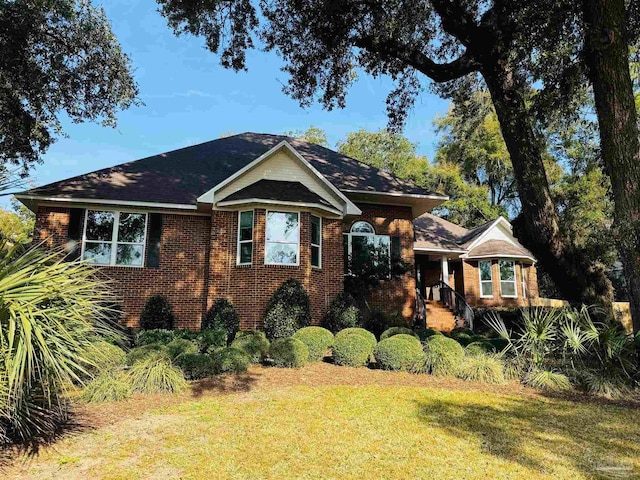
[(180, 346), (390, 332), (352, 349), (369, 337), (481, 368), (195, 365), (156, 335), (443, 355), (479, 347), (142, 353), (399, 352), (425, 333), (107, 356), (230, 360), (288, 352), (317, 340), (157, 313), (342, 313), (222, 315), (253, 343), (463, 339), (461, 330)]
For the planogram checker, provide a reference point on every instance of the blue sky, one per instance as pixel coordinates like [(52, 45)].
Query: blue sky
[(190, 99)]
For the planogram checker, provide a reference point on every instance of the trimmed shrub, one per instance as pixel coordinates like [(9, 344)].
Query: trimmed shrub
[(399, 352), (443, 355), (142, 353), (317, 340), (156, 335), (352, 349), (107, 357), (479, 347), (342, 313), (463, 339), (222, 315), (485, 368), (230, 360), (288, 352), (254, 343), (376, 321), (425, 333), (390, 332), (369, 337), (157, 313), (185, 334), (107, 387), (155, 375), (295, 309), (210, 339), (461, 330), (180, 346), (195, 365), (281, 321)]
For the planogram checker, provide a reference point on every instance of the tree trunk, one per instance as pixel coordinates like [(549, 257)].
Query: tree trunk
[(607, 58), (578, 279)]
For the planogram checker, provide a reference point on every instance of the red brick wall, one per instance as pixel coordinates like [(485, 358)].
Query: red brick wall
[(250, 286), (472, 286), (396, 295)]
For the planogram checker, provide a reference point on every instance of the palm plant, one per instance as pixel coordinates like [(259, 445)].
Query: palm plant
[(51, 312)]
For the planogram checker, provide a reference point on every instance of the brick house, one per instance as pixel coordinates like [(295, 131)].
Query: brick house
[(237, 216)]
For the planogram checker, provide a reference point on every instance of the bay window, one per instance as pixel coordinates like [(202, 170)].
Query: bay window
[(114, 238), (486, 279), (507, 270), (282, 246), (245, 238)]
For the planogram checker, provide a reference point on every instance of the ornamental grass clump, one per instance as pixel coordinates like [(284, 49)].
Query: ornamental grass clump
[(107, 356), (352, 349), (109, 386), (317, 339), (156, 374), (486, 368), (288, 352), (390, 332), (443, 356), (398, 352), (254, 343), (142, 353)]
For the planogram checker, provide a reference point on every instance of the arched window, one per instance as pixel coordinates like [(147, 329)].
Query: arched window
[(363, 228), (362, 240)]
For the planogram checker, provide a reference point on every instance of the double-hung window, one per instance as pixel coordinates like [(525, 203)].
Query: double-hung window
[(486, 279), (508, 278), (245, 237), (114, 238), (282, 246), (316, 241)]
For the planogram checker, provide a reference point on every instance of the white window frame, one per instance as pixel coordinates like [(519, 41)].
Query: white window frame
[(240, 242), (319, 245), (114, 237), (352, 234), (490, 281), (523, 281), (266, 226), (514, 281)]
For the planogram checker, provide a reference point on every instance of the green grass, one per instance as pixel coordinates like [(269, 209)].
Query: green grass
[(371, 431)]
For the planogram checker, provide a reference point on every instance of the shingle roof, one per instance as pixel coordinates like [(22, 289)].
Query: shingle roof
[(499, 248), (277, 190), (435, 232), (181, 176)]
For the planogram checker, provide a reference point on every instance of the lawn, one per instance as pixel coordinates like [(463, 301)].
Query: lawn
[(323, 421)]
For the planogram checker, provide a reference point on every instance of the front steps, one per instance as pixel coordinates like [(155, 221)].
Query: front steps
[(439, 317)]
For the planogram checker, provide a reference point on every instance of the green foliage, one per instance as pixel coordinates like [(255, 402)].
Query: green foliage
[(463, 339), (484, 368), (107, 387), (181, 346), (479, 347), (64, 58), (369, 337), (425, 333), (52, 313), (210, 339), (342, 313), (14, 228), (399, 352), (376, 321), (222, 315), (157, 313), (156, 374), (230, 360), (547, 380), (443, 356), (143, 352), (195, 365), (107, 356), (352, 349), (604, 383), (461, 330), (288, 352), (156, 335), (317, 339), (312, 135), (253, 343), (287, 311), (390, 332)]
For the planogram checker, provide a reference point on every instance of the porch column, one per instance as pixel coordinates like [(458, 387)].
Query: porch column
[(444, 263)]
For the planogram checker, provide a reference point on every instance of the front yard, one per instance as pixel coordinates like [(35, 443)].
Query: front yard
[(323, 421)]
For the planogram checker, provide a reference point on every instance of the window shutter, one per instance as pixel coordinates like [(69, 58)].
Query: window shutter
[(153, 244), (74, 234), (395, 249)]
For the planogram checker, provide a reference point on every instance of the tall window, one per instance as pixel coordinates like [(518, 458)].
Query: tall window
[(245, 237), (114, 238), (523, 281), (316, 241), (508, 278), (486, 279), (362, 240), (282, 238)]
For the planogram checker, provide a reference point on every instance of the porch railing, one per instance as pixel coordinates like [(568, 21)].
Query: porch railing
[(455, 302), (421, 310)]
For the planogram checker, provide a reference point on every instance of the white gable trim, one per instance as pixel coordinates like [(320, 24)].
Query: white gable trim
[(259, 201), (476, 257), (208, 197), (498, 221), (99, 201)]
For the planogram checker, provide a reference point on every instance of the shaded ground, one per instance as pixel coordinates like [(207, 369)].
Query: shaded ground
[(324, 421)]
